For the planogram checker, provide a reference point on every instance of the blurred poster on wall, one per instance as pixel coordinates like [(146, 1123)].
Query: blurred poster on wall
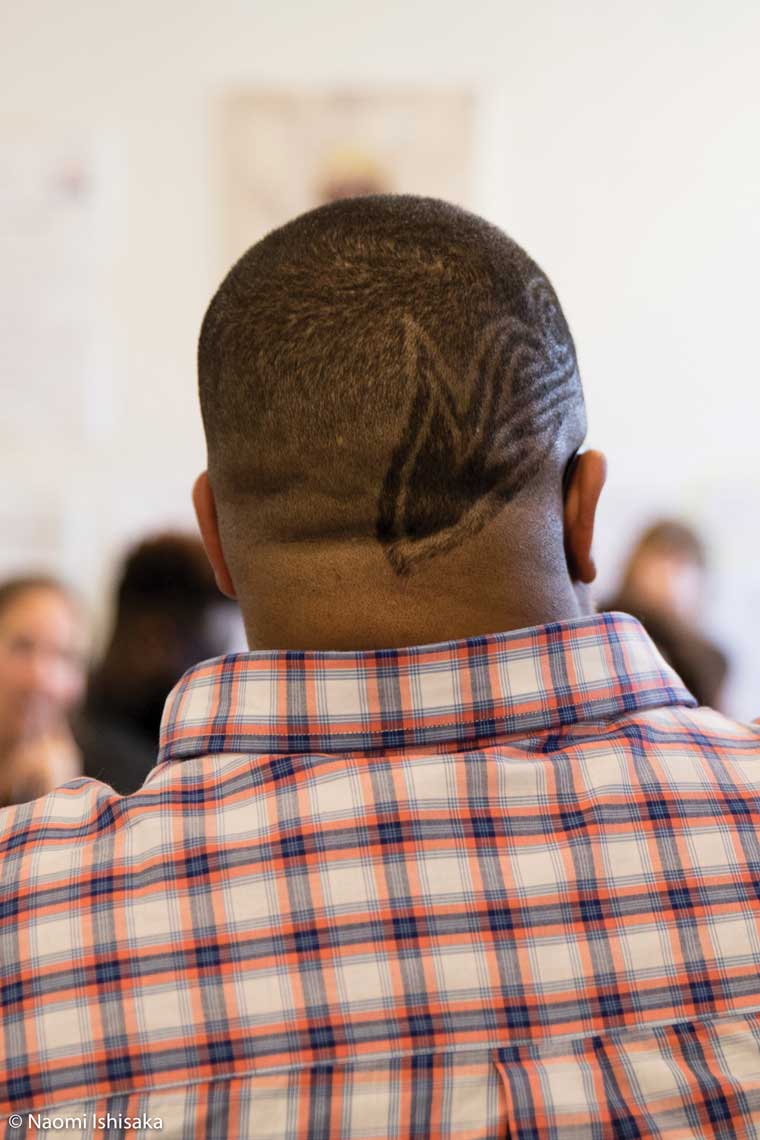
[(48, 287), (284, 153)]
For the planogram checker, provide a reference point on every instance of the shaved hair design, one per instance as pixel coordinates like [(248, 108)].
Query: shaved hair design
[(385, 367)]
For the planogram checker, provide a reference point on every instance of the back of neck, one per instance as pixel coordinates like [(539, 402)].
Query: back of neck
[(347, 597)]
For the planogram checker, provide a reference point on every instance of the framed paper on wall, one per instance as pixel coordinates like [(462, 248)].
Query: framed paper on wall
[(284, 153)]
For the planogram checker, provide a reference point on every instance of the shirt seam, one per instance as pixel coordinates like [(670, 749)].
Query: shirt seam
[(488, 1046)]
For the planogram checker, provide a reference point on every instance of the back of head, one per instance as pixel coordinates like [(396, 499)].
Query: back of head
[(167, 618), (169, 574), (165, 621), (386, 371)]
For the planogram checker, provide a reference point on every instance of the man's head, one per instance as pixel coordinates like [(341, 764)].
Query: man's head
[(391, 401)]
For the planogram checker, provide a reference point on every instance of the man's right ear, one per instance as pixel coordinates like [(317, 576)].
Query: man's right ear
[(208, 523)]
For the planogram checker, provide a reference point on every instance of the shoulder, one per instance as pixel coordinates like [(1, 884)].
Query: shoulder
[(690, 747), (76, 812)]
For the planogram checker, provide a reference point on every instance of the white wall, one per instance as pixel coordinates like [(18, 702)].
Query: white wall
[(619, 145)]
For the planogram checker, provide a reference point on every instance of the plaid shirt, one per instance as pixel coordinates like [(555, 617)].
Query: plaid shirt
[(505, 887)]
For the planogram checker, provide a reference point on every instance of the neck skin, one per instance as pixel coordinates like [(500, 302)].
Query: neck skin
[(345, 595), (528, 566)]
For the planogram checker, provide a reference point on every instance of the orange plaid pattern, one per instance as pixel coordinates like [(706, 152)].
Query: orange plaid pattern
[(501, 887)]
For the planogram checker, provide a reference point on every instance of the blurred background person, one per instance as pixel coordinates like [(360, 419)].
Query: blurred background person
[(666, 571), (663, 584), (169, 614), (42, 675)]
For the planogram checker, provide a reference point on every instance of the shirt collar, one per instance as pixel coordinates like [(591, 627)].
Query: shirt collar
[(538, 679)]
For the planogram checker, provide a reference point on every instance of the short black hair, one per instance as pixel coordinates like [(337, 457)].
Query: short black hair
[(386, 365), (167, 573)]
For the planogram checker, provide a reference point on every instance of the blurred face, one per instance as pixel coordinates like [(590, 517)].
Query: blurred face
[(42, 663), (669, 583)]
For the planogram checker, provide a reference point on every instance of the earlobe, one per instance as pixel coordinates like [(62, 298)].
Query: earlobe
[(581, 499), (205, 512)]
